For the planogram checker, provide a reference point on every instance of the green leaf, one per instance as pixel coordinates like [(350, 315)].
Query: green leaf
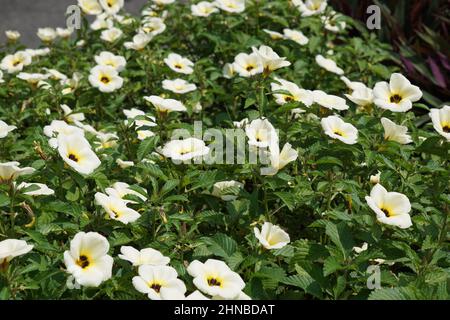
[(287, 198), (146, 147), (391, 294)]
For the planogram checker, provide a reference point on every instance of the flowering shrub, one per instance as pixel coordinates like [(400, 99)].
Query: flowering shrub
[(226, 150)]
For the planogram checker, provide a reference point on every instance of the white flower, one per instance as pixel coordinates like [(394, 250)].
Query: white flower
[(12, 35), (296, 36), (153, 280), (55, 74), (106, 140), (219, 189), (91, 7), (197, 108), (133, 113), (215, 278), (394, 132), (361, 96), (278, 160), (111, 34), (153, 26), (64, 32), (144, 134), (178, 86), (311, 7), (38, 52), (121, 189), (58, 126), (397, 95), (47, 34), (270, 59), (105, 78), (271, 236), (165, 105), (203, 9), (71, 84), (353, 85), (441, 121), (147, 256), (241, 124), (124, 164), (336, 128), (248, 65), (42, 189), (233, 6), (102, 21), (11, 248), (228, 70), (274, 35), (88, 260), (240, 296), (183, 150), (329, 65), (76, 151), (106, 58), (296, 94), (1, 77), (261, 133), (163, 2), (391, 208), (9, 171), (329, 101), (375, 179), (5, 129), (139, 42), (111, 6), (70, 116), (179, 64), (332, 25), (32, 78), (13, 63), (358, 250), (116, 208)]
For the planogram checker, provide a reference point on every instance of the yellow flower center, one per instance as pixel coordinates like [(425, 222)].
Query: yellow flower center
[(339, 133), (214, 281), (396, 98), (288, 98), (250, 67), (73, 157), (16, 62), (105, 79), (178, 66), (155, 286), (388, 212), (83, 261)]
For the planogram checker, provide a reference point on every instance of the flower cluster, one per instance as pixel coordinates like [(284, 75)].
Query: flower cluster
[(315, 158)]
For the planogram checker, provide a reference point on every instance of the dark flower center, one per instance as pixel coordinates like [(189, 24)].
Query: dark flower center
[(156, 287), (214, 282), (386, 212), (73, 157), (446, 129), (105, 80), (83, 261), (396, 98)]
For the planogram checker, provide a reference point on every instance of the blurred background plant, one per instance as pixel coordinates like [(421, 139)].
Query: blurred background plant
[(419, 33)]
